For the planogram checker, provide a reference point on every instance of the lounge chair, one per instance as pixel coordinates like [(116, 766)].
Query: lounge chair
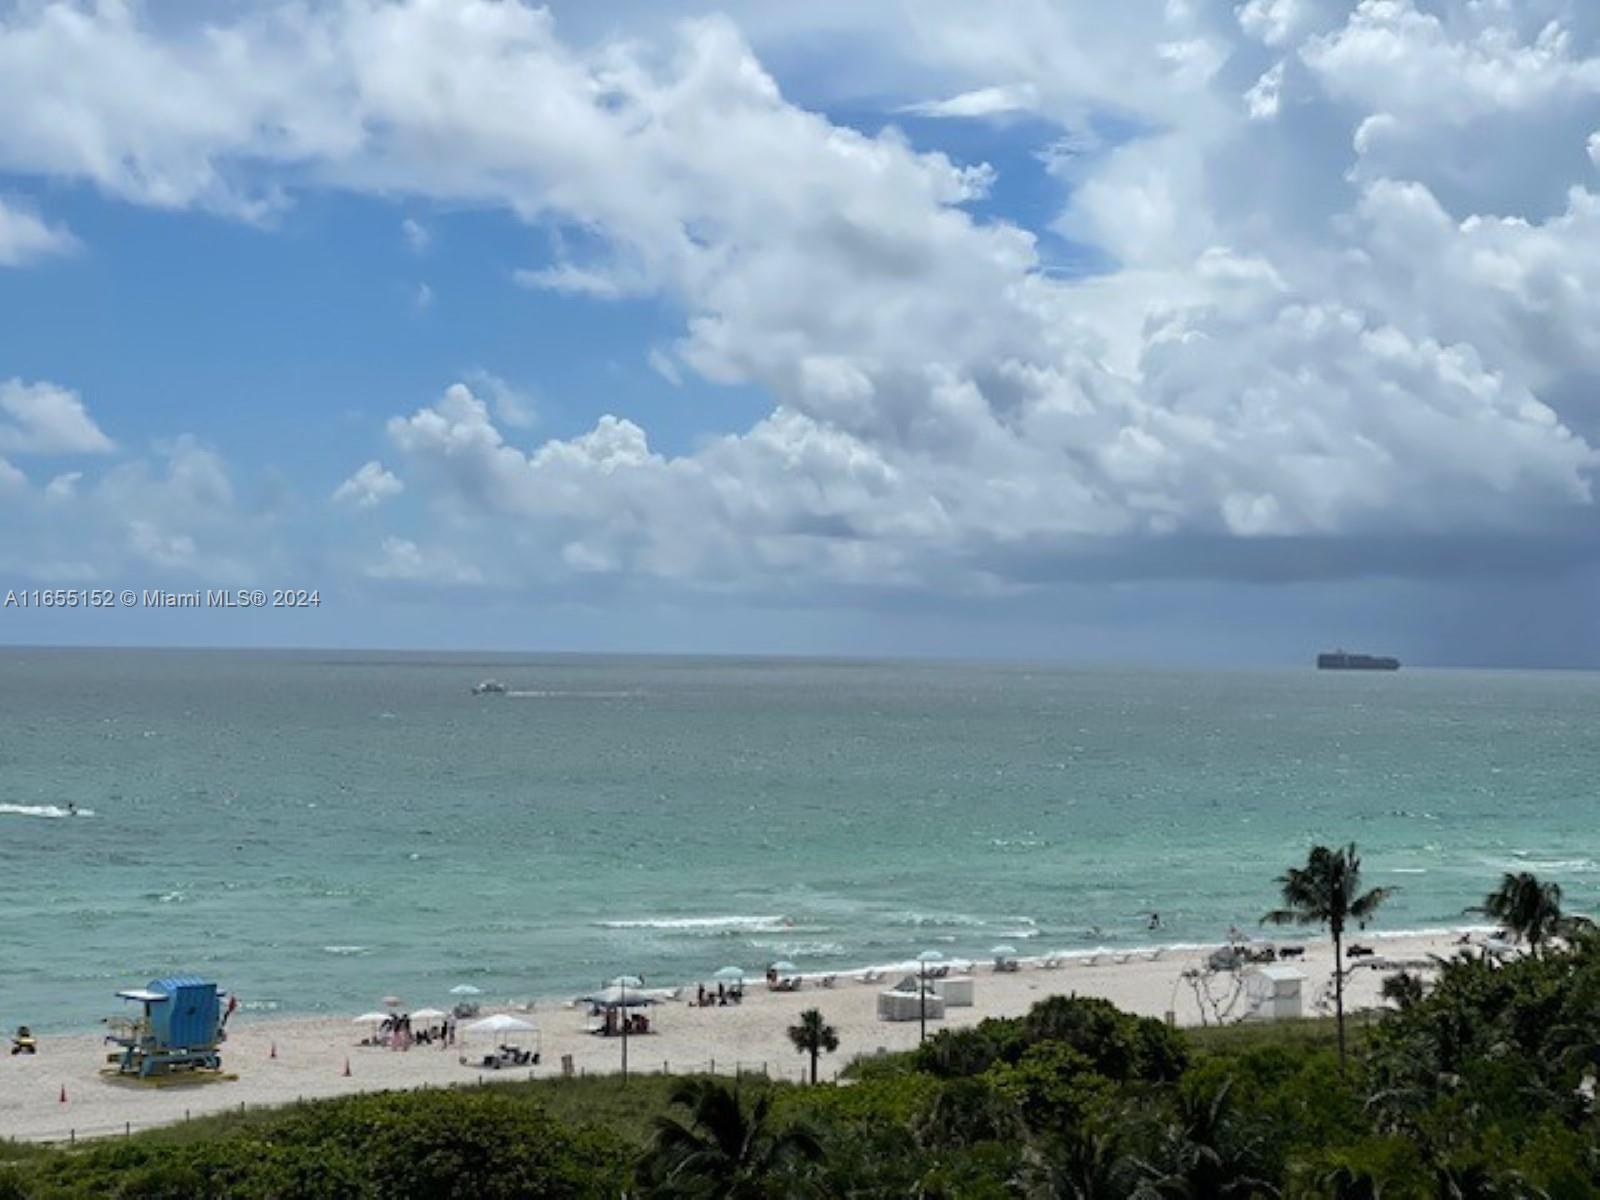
[(828, 981), (870, 975), (1051, 961)]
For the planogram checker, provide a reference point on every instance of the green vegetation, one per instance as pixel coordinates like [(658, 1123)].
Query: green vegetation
[(813, 1036), (1478, 1083), (1327, 891)]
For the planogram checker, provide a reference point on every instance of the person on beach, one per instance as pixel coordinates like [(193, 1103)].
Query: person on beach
[(1155, 920)]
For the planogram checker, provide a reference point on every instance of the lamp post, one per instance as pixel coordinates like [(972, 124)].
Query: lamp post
[(623, 984), (922, 1001)]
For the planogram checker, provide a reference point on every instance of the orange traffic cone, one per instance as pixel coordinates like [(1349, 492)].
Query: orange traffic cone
[(63, 1093), (347, 1068)]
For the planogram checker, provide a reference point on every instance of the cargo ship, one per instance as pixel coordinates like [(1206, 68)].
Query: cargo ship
[(1343, 660)]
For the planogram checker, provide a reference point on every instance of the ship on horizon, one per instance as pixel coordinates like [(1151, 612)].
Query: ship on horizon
[(1343, 660)]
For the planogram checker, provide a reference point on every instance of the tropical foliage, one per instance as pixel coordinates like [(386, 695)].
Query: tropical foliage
[(813, 1036), (1327, 891)]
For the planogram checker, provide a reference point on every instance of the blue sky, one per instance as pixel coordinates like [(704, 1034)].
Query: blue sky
[(1208, 332)]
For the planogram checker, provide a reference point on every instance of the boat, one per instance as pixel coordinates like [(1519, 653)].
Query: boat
[(1343, 660), (489, 687)]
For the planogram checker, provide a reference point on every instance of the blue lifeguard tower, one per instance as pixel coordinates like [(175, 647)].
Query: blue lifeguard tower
[(180, 1030)]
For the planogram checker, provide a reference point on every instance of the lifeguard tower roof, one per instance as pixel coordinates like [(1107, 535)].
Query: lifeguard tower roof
[(141, 994)]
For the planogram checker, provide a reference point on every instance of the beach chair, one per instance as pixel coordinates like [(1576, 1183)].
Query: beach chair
[(828, 981), (870, 975), (1051, 962)]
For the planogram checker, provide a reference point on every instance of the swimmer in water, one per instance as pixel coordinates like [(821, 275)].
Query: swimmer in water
[(72, 809)]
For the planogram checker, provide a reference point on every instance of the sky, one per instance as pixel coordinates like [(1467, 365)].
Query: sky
[(1197, 331)]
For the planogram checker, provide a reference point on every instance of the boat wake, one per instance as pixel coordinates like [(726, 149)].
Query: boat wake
[(49, 811)]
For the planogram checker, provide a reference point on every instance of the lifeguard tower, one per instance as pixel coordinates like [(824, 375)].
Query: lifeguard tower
[(180, 1030)]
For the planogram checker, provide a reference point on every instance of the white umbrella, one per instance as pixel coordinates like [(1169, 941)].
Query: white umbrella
[(428, 1014), (501, 1023), (785, 967), (625, 981), (930, 956), (729, 975), (465, 989), (617, 997), (372, 1017), (1004, 952)]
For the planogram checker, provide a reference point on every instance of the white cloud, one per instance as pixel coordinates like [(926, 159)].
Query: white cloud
[(422, 298), (981, 102), (42, 418), (406, 561), (416, 235), (368, 487), (1351, 250), (25, 238)]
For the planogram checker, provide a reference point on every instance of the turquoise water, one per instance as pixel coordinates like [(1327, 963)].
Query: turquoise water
[(318, 830)]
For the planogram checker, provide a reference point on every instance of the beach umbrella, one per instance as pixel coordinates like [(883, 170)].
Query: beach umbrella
[(371, 1018), (428, 1014), (499, 1024), (785, 967), (930, 956), (1004, 951), (625, 981), (728, 975), (465, 989), (618, 997)]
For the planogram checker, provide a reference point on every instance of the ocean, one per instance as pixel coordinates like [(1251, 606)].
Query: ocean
[(317, 830)]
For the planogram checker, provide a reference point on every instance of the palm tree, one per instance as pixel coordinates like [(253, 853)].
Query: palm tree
[(1529, 909), (813, 1036), (726, 1150), (1207, 1156), (1327, 891)]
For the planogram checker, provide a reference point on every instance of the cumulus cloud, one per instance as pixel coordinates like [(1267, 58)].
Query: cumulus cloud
[(25, 237), (370, 486), (1351, 250), (42, 418), (405, 561)]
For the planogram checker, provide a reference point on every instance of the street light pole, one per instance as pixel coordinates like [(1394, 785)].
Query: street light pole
[(624, 989), (922, 1001)]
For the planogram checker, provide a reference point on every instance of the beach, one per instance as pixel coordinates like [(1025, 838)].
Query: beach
[(275, 1061)]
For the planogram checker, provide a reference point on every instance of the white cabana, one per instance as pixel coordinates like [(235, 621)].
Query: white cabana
[(895, 1005), (1274, 992)]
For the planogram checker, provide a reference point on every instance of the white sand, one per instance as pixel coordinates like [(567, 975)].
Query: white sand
[(311, 1053)]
